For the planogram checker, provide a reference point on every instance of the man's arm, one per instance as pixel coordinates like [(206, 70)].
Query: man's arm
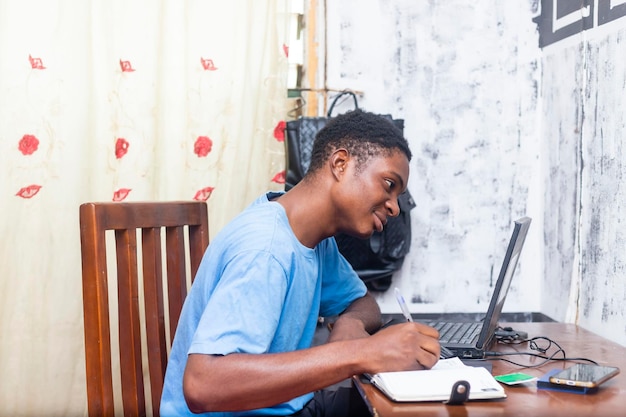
[(360, 319), (238, 382), (249, 381)]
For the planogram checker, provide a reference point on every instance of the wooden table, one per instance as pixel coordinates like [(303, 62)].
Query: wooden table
[(526, 399)]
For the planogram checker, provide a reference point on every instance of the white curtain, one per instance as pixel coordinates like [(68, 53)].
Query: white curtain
[(119, 100)]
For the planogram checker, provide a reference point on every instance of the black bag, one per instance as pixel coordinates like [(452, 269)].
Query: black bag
[(374, 259)]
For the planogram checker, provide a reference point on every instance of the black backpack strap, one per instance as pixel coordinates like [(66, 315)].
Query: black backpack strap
[(343, 93)]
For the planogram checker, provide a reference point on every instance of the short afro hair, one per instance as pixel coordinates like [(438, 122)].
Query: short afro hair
[(363, 134)]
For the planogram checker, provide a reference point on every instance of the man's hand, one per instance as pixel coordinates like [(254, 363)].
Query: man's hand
[(400, 347), (405, 346)]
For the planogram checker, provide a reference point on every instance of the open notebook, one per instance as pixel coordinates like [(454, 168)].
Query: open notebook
[(436, 384), (472, 339)]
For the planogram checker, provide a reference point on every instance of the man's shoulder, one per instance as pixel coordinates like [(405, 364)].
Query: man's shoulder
[(258, 223), (259, 215)]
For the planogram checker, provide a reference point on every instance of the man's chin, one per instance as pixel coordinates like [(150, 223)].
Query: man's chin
[(361, 235)]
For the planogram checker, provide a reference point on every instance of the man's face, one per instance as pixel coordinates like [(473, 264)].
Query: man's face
[(370, 195)]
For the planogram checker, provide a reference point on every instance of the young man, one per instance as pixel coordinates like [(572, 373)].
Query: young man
[(243, 343)]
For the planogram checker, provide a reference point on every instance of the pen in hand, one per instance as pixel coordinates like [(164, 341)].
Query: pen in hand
[(403, 306), (445, 352)]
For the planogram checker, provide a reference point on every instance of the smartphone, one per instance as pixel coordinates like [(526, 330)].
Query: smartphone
[(584, 375)]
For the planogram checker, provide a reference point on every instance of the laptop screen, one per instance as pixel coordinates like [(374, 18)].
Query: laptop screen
[(504, 279)]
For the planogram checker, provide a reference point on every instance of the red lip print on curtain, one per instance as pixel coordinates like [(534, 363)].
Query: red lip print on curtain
[(36, 63), (207, 64)]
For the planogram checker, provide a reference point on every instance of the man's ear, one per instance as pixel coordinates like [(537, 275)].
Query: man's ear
[(338, 162)]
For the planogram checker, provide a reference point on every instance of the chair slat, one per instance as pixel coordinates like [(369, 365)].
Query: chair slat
[(128, 317), (176, 273), (155, 316), (96, 307), (197, 240)]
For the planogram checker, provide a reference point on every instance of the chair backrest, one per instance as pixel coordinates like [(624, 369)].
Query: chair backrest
[(162, 280)]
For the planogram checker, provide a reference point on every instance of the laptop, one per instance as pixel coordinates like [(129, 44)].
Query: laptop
[(470, 340)]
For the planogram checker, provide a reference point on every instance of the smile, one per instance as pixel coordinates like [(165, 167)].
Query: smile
[(381, 221)]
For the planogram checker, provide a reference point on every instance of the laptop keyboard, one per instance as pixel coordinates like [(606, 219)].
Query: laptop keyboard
[(457, 332)]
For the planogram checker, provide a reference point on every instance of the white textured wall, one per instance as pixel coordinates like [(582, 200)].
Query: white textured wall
[(603, 231), (464, 76), (501, 127), (585, 84)]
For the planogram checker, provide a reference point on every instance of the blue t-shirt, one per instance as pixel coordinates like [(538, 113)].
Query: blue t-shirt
[(258, 290)]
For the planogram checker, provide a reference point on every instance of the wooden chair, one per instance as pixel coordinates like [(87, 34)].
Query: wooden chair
[(185, 239)]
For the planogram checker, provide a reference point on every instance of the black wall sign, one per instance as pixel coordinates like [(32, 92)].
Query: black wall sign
[(560, 19)]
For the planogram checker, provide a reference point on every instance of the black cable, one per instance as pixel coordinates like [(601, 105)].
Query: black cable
[(533, 346), (498, 356)]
